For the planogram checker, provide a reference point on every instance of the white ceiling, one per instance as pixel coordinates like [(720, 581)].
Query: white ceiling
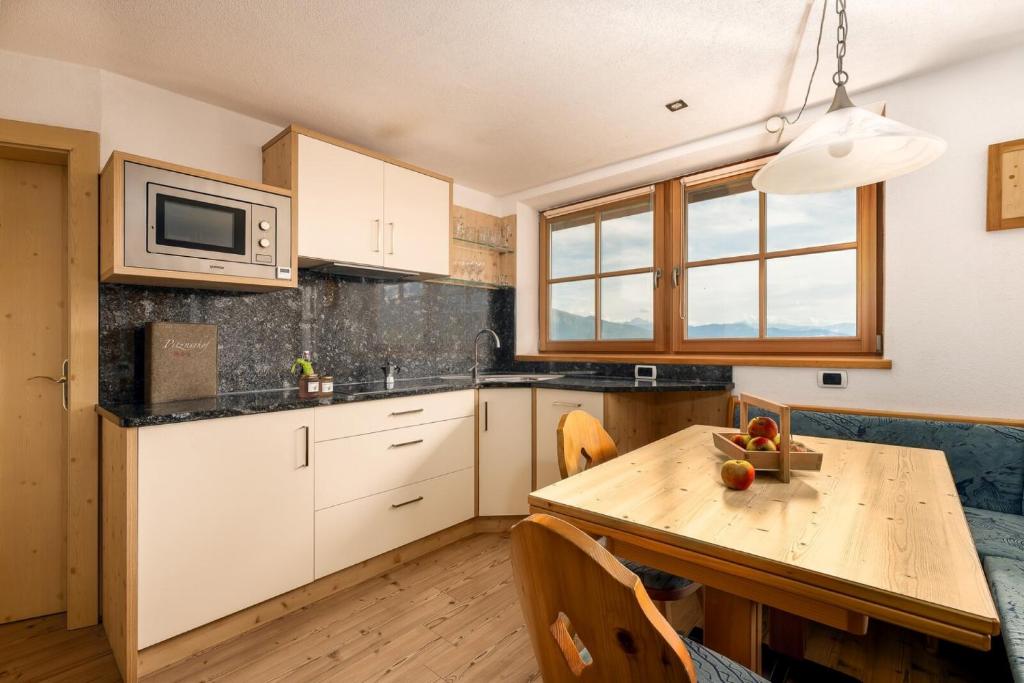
[(505, 94)]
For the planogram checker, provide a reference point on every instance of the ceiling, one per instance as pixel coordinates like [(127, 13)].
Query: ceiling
[(502, 95)]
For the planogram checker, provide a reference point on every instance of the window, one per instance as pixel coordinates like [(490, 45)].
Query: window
[(600, 274), (751, 273)]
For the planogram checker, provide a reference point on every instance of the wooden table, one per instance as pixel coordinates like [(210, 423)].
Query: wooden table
[(878, 533)]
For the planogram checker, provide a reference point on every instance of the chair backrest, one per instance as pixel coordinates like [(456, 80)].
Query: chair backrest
[(582, 443), (589, 617)]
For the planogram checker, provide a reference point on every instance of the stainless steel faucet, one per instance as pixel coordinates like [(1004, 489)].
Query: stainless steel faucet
[(476, 350)]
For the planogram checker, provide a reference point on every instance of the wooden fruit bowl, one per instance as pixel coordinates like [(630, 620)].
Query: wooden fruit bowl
[(781, 461)]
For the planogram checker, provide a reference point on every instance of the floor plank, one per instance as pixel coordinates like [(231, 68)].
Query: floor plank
[(450, 616)]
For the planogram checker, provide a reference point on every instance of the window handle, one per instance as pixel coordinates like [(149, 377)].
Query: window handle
[(675, 276), (657, 277)]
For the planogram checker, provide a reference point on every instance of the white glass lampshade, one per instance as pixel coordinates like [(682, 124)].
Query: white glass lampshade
[(847, 147)]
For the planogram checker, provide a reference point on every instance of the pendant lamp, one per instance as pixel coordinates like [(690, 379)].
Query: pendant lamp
[(848, 146)]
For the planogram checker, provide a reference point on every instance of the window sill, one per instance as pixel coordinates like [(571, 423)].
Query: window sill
[(796, 361)]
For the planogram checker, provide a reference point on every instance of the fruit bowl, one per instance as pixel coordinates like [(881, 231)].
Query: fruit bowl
[(768, 446)]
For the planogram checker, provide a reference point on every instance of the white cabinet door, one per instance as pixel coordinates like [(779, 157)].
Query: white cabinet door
[(506, 451), (417, 216), (341, 204), (225, 517), (551, 405)]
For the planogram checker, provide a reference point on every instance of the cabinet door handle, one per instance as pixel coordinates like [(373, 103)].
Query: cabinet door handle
[(305, 447), (376, 235), (485, 415), (407, 412), (406, 443), (408, 502), (391, 249), (567, 404)]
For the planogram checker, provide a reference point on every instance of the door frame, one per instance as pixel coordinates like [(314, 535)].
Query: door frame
[(80, 150)]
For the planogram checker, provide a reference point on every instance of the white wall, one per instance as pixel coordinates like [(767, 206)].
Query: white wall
[(954, 294)]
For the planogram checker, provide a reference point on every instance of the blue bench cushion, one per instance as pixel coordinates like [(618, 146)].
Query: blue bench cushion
[(655, 579), (1006, 579), (996, 534), (987, 461), (714, 668)]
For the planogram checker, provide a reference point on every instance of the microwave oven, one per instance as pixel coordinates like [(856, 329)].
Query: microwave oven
[(177, 221)]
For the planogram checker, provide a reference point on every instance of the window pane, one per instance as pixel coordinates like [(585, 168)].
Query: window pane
[(627, 307), (627, 236), (813, 295), (722, 302), (722, 220), (572, 246), (572, 310), (810, 220)]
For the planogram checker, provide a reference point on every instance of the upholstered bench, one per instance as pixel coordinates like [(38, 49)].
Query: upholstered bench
[(987, 462)]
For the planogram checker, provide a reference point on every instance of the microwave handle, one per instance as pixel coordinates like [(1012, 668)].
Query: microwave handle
[(376, 235)]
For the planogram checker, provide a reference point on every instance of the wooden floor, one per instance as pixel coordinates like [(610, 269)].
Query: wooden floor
[(452, 616)]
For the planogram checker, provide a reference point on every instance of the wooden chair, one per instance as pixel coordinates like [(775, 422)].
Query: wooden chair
[(583, 443), (590, 619)]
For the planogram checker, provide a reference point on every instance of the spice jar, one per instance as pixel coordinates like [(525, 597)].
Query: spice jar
[(309, 386), (326, 385)]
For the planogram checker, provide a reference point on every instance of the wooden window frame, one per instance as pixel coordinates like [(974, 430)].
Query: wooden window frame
[(662, 330), (867, 244)]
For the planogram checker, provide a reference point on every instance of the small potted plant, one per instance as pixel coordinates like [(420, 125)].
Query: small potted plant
[(309, 382)]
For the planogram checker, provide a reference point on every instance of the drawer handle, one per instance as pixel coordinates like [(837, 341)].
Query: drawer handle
[(407, 412), (408, 502), (406, 443), (567, 404)]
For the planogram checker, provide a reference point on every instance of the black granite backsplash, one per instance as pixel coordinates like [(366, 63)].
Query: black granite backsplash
[(351, 326)]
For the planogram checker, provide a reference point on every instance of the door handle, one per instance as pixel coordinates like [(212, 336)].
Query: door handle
[(408, 502), (406, 443), (62, 380), (376, 235), (394, 234), (485, 415)]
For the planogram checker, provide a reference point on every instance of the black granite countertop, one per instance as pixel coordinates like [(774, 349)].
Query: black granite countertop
[(251, 403)]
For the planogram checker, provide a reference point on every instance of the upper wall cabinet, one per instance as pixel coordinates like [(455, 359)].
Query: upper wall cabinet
[(359, 209)]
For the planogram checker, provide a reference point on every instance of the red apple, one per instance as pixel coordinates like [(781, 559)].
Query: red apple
[(761, 443), (763, 426), (740, 440), (737, 474)]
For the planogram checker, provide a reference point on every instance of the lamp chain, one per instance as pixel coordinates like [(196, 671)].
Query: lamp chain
[(840, 77)]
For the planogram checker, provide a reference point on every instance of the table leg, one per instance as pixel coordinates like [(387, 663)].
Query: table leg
[(732, 627), (787, 634)]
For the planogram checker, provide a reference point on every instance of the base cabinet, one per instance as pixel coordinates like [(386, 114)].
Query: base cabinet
[(505, 470), (225, 518), (552, 404)]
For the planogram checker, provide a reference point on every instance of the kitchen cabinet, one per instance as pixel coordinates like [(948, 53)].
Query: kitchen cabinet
[(551, 405), (225, 517), (506, 451), (360, 209), (390, 472)]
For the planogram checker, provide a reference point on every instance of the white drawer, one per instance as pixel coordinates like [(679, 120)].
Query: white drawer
[(364, 417), (359, 466), (349, 533)]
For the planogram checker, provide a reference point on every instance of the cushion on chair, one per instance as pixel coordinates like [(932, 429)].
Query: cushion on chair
[(996, 534), (714, 668), (655, 579), (1006, 579), (987, 461)]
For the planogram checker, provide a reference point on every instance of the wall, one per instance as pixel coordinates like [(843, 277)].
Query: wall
[(953, 292)]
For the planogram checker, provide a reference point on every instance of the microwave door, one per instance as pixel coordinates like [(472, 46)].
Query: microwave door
[(197, 225)]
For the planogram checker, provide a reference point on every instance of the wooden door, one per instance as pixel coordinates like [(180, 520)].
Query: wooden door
[(225, 517), (552, 404), (341, 204), (33, 436), (417, 220), (506, 471)]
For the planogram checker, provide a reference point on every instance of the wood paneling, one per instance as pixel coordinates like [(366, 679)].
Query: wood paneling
[(33, 439), (120, 545), (879, 531), (637, 419), (81, 150), (1006, 185)]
